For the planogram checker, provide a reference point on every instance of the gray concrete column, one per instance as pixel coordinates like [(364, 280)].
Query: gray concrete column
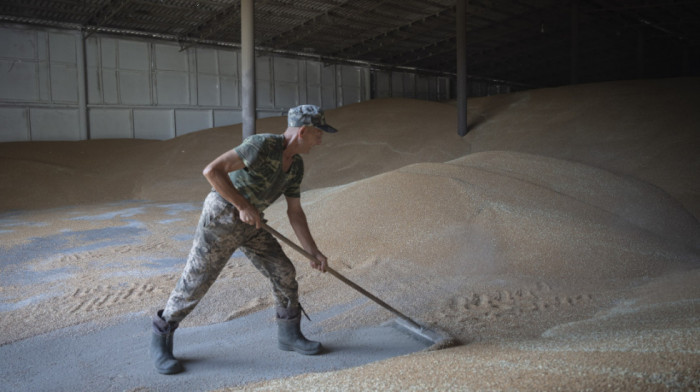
[(248, 66), (574, 41), (461, 67), (640, 54), (82, 89)]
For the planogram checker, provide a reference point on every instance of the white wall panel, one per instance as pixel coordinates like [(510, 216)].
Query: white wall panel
[(133, 55), (170, 58), (230, 92), (227, 117), (443, 89), (313, 72), (286, 70), (110, 124), (108, 53), (154, 124), (94, 86), (382, 84), (422, 87), (192, 77), (42, 45), (409, 85), (351, 87), (229, 63), (92, 52), (208, 93), (13, 125), (19, 81), (286, 95), (264, 95), (134, 88), (328, 87), (187, 121), (20, 44), (110, 91), (54, 124), (44, 81), (92, 59), (433, 89), (207, 62), (397, 84), (286, 82), (314, 96), (64, 83), (313, 83), (144, 88), (62, 47), (172, 88), (266, 114)]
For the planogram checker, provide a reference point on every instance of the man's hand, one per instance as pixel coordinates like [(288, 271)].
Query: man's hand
[(250, 215), (322, 262)]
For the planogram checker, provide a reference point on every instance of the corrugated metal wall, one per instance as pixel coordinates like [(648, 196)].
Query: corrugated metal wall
[(54, 88)]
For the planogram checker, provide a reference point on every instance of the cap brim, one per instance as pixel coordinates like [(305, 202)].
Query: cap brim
[(326, 128)]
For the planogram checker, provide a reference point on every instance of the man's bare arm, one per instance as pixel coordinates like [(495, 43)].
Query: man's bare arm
[(297, 218), (216, 173)]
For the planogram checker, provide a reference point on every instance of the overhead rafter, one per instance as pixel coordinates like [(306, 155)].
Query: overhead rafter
[(212, 26), (103, 16), (312, 26), (389, 37)]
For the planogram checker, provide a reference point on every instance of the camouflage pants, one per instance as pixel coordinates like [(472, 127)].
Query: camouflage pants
[(219, 233)]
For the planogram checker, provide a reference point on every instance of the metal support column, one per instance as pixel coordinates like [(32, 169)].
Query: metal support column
[(462, 67), (641, 71), (574, 41), (248, 66), (82, 88)]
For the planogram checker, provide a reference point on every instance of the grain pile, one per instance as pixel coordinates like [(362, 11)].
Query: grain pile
[(560, 237)]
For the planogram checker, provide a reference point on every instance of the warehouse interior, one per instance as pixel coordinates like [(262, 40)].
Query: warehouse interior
[(78, 70), (523, 175)]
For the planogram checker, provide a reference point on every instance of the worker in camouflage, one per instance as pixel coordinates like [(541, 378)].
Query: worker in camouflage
[(245, 181)]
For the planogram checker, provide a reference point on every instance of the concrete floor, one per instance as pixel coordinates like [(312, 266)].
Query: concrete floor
[(99, 357), (237, 352)]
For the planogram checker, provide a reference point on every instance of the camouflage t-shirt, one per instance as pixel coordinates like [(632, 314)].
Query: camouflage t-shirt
[(263, 180)]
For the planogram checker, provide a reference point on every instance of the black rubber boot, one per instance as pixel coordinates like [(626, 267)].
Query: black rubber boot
[(289, 336), (162, 346)]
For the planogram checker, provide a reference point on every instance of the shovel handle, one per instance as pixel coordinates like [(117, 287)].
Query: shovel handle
[(339, 276)]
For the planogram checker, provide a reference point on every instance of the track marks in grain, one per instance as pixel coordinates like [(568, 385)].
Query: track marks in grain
[(513, 302), (91, 299)]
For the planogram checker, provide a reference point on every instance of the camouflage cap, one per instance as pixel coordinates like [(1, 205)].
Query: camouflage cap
[(308, 115)]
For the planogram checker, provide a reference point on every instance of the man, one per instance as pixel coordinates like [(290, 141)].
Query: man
[(245, 181)]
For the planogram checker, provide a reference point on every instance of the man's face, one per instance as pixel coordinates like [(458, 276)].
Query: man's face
[(311, 136)]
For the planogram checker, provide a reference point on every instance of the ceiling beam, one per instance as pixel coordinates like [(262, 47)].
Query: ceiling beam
[(390, 37), (212, 26), (104, 15), (312, 26)]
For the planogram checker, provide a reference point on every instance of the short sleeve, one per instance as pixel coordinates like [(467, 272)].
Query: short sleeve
[(249, 151)]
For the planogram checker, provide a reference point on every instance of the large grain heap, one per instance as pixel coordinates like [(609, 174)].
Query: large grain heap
[(560, 237)]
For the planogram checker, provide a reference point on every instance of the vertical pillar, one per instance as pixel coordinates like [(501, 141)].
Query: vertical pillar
[(640, 54), (461, 67), (574, 41), (248, 66), (82, 88)]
